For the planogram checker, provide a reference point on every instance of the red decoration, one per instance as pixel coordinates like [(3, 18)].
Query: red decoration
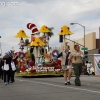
[(33, 71), (23, 69), (61, 30), (31, 63), (37, 42), (22, 31), (59, 62), (16, 62), (32, 27), (56, 67)]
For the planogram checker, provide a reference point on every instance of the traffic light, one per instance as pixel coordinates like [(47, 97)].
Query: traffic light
[(60, 38), (86, 56)]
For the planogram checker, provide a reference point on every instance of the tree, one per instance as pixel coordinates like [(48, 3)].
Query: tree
[(50, 34), (26, 43)]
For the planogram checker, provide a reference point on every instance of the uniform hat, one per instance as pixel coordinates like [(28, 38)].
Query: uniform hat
[(9, 53)]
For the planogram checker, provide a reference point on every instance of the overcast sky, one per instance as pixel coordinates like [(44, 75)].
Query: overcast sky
[(53, 13)]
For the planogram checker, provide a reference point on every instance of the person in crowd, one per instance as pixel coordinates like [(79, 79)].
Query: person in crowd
[(67, 69), (13, 66), (88, 67), (76, 57), (1, 68), (7, 61)]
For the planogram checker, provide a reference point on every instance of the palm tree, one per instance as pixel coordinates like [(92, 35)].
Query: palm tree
[(50, 34), (26, 43)]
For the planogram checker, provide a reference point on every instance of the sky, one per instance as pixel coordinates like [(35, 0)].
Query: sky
[(52, 13)]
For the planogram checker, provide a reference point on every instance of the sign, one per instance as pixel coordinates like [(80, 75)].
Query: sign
[(84, 48), (97, 64)]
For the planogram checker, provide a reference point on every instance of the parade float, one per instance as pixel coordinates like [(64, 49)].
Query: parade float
[(36, 61)]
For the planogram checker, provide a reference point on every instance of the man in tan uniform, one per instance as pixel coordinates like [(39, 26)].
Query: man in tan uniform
[(76, 58)]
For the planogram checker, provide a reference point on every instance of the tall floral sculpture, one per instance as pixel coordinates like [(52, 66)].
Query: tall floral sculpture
[(21, 59), (36, 40), (21, 34), (65, 31), (44, 29)]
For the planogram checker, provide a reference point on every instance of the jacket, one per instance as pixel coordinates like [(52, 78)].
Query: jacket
[(64, 58)]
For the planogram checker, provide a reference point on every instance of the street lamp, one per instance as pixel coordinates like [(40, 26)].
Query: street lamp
[(84, 32), (0, 48)]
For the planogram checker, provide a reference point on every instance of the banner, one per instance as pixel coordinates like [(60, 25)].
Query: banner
[(97, 64)]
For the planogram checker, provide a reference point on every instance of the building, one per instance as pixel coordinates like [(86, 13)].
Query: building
[(90, 42)]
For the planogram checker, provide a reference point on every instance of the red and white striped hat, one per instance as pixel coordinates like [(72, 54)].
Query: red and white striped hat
[(32, 27)]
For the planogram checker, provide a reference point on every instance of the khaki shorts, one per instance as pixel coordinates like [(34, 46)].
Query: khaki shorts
[(65, 67)]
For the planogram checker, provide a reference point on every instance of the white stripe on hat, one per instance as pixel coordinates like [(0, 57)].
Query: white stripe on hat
[(33, 28), (30, 25)]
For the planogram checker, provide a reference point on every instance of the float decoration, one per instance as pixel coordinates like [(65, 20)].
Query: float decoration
[(22, 60), (65, 31), (44, 29), (37, 42), (48, 67), (21, 34)]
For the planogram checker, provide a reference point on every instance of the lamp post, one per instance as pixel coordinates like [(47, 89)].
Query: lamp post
[(84, 32), (0, 48)]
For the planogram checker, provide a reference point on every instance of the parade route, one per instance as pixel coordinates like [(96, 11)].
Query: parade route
[(50, 89)]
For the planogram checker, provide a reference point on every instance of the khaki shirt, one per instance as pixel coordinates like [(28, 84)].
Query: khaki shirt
[(76, 55)]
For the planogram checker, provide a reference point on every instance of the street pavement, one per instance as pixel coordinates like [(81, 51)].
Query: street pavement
[(51, 88)]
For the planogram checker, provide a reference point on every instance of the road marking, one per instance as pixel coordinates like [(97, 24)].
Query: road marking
[(61, 86)]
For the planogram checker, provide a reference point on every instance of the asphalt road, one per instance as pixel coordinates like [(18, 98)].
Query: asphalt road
[(51, 89)]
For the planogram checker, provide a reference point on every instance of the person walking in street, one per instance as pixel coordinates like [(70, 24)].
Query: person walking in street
[(7, 72), (1, 68), (13, 66), (76, 57), (67, 70)]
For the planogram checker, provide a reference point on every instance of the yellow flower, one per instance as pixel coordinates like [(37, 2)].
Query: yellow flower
[(44, 29), (21, 34), (65, 30), (37, 42)]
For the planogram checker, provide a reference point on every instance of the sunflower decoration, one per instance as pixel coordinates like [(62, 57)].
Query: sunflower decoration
[(65, 30), (44, 29), (21, 34), (37, 42)]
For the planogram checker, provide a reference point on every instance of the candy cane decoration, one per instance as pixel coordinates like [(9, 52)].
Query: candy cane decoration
[(32, 27)]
